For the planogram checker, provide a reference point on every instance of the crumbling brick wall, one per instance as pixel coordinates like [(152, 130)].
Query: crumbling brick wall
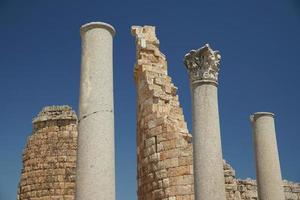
[(164, 151), (49, 158)]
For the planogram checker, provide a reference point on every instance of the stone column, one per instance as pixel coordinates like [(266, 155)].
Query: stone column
[(268, 173), (96, 156), (203, 68)]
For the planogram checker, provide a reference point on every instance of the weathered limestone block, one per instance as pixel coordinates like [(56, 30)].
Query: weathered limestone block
[(163, 142), (248, 189), (164, 151), (164, 170), (49, 158)]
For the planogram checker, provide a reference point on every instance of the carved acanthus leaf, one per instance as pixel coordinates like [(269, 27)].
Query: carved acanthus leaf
[(203, 64)]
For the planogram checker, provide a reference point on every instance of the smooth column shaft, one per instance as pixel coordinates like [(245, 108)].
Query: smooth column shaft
[(203, 67), (268, 172), (96, 157), (208, 162)]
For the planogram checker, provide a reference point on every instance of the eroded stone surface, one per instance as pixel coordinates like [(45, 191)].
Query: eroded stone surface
[(164, 151), (203, 64), (237, 189), (49, 158)]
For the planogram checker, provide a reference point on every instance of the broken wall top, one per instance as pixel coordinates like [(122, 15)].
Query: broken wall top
[(148, 54)]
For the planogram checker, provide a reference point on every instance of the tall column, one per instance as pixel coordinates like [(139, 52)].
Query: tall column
[(96, 157), (203, 67), (268, 173)]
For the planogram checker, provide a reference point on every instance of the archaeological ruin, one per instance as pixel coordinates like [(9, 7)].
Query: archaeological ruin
[(66, 157), (49, 158), (164, 149)]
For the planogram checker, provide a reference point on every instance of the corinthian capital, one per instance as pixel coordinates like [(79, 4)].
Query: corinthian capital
[(203, 65)]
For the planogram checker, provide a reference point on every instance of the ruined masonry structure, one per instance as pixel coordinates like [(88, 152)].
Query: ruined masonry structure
[(237, 189), (49, 164), (49, 158), (164, 149)]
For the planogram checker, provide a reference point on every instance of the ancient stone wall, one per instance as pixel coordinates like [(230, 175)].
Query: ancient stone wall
[(164, 151), (49, 158), (237, 189)]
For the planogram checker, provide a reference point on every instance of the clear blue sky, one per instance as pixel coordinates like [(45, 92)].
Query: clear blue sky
[(259, 43)]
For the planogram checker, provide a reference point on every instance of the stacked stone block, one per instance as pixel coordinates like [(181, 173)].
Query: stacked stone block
[(237, 189), (291, 190), (49, 158), (248, 189), (164, 150), (230, 182)]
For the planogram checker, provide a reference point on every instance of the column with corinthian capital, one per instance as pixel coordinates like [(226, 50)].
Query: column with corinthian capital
[(203, 68)]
